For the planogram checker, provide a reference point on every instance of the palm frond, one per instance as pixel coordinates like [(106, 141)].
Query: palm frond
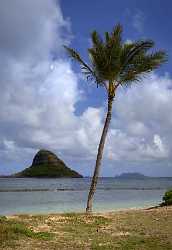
[(107, 37), (86, 69), (96, 39), (157, 58), (117, 32), (137, 48), (141, 65), (75, 55), (116, 62)]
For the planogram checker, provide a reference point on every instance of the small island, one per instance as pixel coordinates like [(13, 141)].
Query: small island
[(134, 175), (47, 165)]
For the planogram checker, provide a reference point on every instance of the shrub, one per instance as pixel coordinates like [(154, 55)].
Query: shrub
[(167, 198)]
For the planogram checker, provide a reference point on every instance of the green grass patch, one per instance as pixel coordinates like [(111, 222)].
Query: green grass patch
[(12, 230)]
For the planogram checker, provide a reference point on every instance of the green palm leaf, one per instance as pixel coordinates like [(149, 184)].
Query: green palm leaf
[(115, 62)]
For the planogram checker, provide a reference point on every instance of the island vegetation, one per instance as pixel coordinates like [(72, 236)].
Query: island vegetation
[(47, 165)]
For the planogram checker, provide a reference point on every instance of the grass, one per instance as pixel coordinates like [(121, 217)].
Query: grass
[(13, 231), (132, 229)]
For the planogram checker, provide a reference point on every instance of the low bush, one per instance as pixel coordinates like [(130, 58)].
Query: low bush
[(167, 198)]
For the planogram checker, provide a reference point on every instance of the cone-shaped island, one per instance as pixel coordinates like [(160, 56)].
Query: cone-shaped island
[(46, 164)]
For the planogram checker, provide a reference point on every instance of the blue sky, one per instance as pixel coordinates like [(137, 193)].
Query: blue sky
[(46, 103)]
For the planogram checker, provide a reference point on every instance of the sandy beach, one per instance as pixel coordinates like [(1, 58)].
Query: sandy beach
[(124, 229)]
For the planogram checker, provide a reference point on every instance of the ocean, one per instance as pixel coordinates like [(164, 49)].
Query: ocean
[(58, 195)]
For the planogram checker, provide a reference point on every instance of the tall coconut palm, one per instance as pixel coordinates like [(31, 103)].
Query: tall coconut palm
[(113, 63)]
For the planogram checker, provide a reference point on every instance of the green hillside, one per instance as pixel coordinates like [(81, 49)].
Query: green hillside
[(47, 164)]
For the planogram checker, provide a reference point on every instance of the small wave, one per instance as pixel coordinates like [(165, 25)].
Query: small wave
[(132, 188), (72, 189), (35, 190), (23, 190)]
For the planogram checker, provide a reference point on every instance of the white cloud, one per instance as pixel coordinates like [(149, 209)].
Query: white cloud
[(138, 20), (31, 28), (143, 117), (159, 144)]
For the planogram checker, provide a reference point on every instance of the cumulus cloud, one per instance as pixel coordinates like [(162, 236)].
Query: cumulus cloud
[(144, 120), (31, 28), (138, 20)]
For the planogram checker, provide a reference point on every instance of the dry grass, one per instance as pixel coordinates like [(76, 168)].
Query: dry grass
[(131, 229)]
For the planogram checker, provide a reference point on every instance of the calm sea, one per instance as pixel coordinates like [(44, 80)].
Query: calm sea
[(69, 195)]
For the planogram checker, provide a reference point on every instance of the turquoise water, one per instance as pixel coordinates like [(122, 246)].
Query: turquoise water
[(70, 195)]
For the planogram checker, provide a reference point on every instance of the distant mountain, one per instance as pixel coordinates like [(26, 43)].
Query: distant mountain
[(137, 176), (47, 164)]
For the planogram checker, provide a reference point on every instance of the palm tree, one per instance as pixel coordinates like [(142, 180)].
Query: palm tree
[(113, 63)]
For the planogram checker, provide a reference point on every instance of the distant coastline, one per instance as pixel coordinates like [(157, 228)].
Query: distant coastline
[(137, 176), (133, 175)]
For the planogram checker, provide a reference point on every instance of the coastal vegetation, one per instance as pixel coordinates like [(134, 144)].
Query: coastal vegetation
[(114, 63), (167, 198), (122, 230)]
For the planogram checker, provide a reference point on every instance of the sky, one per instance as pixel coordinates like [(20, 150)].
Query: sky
[(45, 102)]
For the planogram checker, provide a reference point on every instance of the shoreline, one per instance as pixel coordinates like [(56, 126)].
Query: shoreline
[(112, 212)]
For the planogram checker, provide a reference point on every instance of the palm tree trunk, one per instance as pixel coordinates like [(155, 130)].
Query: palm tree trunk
[(99, 156)]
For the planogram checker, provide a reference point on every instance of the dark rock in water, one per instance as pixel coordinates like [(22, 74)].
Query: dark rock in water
[(47, 164)]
